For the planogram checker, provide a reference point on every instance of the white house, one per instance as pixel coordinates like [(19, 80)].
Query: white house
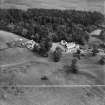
[(71, 47)]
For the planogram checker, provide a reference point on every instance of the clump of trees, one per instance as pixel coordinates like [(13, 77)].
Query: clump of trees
[(43, 47)]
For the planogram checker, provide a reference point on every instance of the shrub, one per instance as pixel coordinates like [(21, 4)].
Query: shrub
[(73, 66), (44, 78), (57, 54), (102, 61), (77, 54), (95, 50)]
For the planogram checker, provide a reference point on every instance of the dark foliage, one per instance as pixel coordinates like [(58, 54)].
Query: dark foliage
[(57, 54), (95, 50), (102, 61), (73, 66), (44, 78), (102, 36)]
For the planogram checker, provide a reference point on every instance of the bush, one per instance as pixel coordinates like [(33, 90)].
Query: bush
[(77, 54), (73, 66), (95, 50), (57, 54), (44, 77)]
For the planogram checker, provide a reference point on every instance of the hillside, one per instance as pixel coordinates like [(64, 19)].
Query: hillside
[(12, 55)]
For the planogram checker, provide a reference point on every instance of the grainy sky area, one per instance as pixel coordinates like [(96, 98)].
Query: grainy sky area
[(98, 5)]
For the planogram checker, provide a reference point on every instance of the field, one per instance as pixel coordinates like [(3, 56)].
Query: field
[(21, 73), (26, 68)]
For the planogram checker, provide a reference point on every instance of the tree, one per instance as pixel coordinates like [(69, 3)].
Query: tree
[(57, 54), (102, 61), (73, 66), (95, 50), (77, 54), (102, 36)]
